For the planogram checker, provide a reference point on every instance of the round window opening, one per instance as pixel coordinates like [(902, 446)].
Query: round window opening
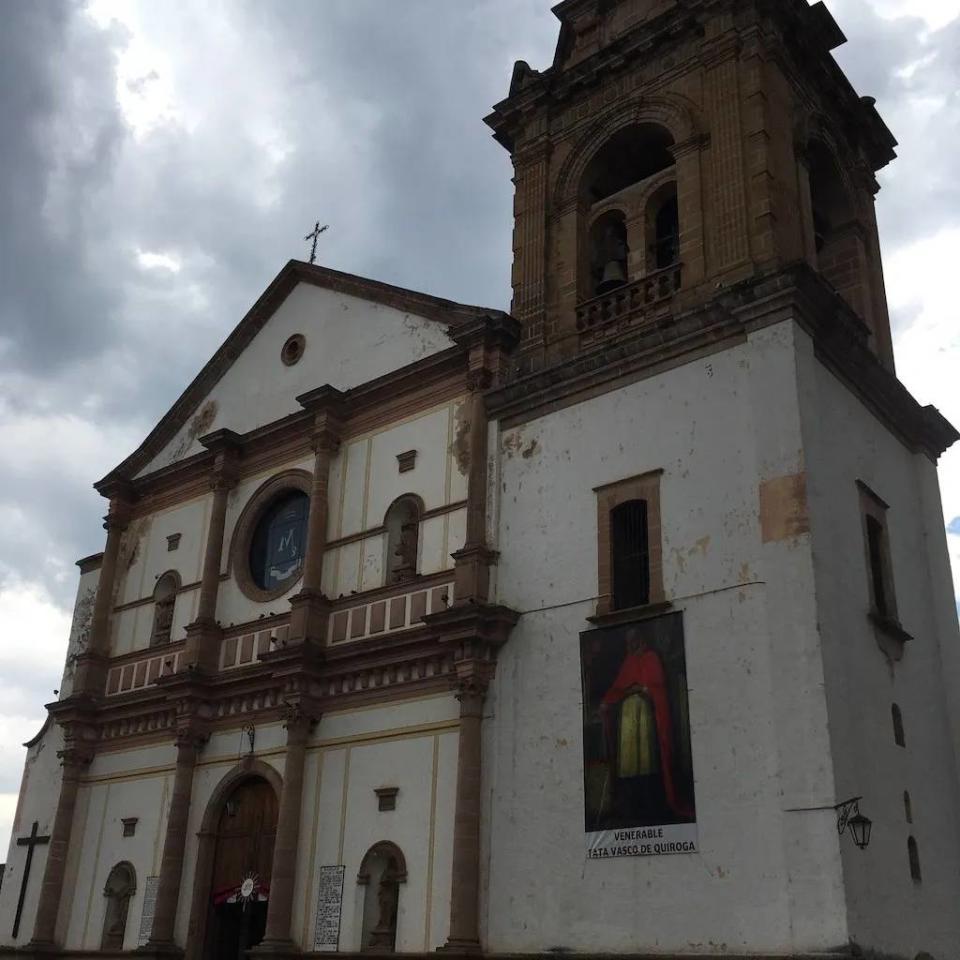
[(279, 541), (293, 349)]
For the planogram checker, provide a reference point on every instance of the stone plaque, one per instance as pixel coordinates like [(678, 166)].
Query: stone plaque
[(326, 934), (149, 904)]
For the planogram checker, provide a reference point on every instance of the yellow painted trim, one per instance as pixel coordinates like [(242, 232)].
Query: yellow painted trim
[(411, 732), (430, 843), (367, 467), (310, 889), (344, 455), (144, 554), (206, 503), (343, 803), (448, 477), (367, 707), (93, 875)]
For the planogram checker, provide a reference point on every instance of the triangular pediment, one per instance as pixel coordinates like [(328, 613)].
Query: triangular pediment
[(350, 331)]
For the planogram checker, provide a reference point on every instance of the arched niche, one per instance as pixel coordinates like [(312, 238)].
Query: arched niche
[(164, 604), (628, 155), (677, 115), (118, 891), (402, 542), (246, 771), (382, 871)]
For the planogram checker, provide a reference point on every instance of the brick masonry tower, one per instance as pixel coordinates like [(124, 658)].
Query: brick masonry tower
[(675, 148)]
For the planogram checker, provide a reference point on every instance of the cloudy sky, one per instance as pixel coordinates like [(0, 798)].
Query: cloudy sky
[(160, 162)]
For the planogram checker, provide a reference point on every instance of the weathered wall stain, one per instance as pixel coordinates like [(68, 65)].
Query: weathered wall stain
[(513, 443), (200, 424), (784, 512), (460, 448)]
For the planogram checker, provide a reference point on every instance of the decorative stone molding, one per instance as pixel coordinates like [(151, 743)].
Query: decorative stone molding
[(246, 525)]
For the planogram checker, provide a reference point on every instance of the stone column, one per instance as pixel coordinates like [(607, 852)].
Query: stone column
[(464, 936), (189, 741), (74, 758), (309, 610), (90, 664), (278, 936), (203, 635)]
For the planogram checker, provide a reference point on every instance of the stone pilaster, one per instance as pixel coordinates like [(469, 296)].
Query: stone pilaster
[(487, 344), (474, 633), (91, 663), (204, 634), (471, 689), (191, 736), (74, 758), (310, 610), (531, 181), (299, 719)]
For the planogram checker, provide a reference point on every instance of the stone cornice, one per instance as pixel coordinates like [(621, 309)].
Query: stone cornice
[(795, 293), (815, 34), (378, 669)]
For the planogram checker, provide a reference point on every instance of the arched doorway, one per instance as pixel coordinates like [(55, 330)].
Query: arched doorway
[(242, 861)]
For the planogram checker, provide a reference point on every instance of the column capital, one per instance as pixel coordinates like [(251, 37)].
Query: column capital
[(75, 755), (225, 445), (327, 432), (191, 736), (299, 715), (325, 398), (471, 682), (118, 517)]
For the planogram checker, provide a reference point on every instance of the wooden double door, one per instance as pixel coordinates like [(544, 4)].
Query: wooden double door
[(240, 890)]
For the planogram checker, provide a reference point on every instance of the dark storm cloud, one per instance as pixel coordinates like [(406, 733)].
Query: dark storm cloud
[(52, 309)]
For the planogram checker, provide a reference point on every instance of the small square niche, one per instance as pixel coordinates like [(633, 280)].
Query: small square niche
[(173, 541), (129, 826), (387, 797)]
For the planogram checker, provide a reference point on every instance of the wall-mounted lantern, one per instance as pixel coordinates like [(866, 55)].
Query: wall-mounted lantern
[(849, 815)]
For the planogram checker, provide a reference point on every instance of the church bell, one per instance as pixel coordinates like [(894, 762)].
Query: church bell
[(614, 275)]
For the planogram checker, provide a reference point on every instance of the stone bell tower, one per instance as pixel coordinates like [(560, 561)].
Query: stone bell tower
[(675, 148)]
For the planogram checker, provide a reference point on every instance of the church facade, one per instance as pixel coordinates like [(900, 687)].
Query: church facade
[(622, 623)]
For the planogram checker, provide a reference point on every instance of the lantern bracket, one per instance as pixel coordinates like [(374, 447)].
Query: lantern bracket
[(848, 815)]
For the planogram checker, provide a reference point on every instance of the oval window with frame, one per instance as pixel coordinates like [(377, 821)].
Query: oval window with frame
[(279, 541)]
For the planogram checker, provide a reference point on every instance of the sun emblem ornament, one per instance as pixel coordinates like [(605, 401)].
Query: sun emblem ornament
[(249, 889)]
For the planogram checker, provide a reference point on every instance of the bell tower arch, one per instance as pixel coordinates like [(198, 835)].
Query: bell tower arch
[(675, 149)]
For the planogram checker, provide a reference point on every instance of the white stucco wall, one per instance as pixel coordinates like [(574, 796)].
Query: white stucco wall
[(846, 443), (364, 481), (39, 789), (411, 745), (763, 879), (349, 341)]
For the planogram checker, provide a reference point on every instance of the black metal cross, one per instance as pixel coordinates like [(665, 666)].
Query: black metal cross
[(314, 235), (29, 842)]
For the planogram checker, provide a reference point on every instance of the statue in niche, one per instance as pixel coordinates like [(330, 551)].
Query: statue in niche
[(405, 567), (384, 934)]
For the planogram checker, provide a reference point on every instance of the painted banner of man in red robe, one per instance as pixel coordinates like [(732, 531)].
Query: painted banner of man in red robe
[(636, 736)]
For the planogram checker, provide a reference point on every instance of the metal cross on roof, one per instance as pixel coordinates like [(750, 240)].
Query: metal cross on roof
[(314, 235)]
